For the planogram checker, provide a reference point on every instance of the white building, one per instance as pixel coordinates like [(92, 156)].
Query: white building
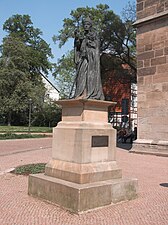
[(52, 92), (133, 107)]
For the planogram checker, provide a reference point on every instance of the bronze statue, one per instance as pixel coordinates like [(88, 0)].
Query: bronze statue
[(87, 59)]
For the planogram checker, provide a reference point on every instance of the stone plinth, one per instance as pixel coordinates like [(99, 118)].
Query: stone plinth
[(82, 197), (83, 173), (85, 110), (147, 146), (152, 73)]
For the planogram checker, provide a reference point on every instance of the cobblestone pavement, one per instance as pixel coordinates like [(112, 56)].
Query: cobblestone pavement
[(17, 208)]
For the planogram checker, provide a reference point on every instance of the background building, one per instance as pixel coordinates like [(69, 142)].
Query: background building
[(120, 88), (52, 92), (152, 55)]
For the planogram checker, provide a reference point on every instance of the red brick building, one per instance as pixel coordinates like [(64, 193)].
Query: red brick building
[(119, 88)]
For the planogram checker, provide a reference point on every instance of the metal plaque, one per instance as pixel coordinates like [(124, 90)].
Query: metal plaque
[(100, 141)]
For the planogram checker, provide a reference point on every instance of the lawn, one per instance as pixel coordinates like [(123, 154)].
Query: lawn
[(22, 129), (9, 135)]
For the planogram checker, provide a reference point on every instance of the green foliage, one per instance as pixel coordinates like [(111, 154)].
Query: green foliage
[(104, 20), (65, 73), (117, 39), (22, 129), (30, 169), (115, 34), (48, 115), (24, 54), (10, 135), (37, 50)]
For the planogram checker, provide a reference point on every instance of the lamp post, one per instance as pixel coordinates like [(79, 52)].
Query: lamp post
[(30, 108)]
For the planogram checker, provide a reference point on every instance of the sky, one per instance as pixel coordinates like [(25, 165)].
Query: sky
[(48, 15)]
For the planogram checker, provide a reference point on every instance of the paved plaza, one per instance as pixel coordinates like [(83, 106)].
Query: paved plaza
[(17, 208)]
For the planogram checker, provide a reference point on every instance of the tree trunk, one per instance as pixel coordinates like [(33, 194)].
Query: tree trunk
[(9, 118)]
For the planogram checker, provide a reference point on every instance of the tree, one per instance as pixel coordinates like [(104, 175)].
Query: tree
[(38, 51), (129, 17), (65, 74), (48, 115), (117, 36), (24, 54)]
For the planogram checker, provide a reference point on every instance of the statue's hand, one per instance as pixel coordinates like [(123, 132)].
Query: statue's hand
[(84, 54), (91, 44)]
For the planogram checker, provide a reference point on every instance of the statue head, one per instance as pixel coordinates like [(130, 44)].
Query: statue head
[(87, 20), (87, 23)]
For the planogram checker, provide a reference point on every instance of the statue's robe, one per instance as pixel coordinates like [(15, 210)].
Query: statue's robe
[(87, 58)]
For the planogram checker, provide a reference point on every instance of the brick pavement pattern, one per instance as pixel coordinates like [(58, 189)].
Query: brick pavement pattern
[(17, 208)]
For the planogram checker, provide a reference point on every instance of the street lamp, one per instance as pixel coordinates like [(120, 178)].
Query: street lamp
[(30, 109)]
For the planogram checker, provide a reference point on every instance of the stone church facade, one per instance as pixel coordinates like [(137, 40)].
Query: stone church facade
[(152, 62)]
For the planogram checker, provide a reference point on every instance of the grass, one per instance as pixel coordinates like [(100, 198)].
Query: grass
[(22, 129), (30, 169), (9, 135)]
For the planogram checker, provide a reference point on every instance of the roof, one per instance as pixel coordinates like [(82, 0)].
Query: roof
[(49, 81)]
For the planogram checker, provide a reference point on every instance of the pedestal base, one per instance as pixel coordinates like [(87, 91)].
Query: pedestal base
[(79, 198), (151, 147), (83, 173)]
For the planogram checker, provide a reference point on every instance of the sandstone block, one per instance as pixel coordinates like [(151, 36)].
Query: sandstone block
[(79, 198), (146, 55), (147, 71), (140, 6), (158, 52), (158, 61)]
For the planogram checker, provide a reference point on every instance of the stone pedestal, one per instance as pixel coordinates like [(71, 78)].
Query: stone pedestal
[(83, 173), (152, 74)]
